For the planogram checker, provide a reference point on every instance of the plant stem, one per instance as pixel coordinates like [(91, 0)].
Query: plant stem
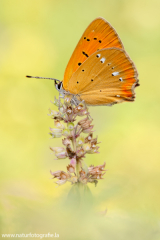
[(75, 149)]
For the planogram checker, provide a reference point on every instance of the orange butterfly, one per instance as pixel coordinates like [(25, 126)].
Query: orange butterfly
[(99, 71)]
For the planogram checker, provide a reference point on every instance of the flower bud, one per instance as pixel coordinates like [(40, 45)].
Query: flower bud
[(87, 147), (70, 126), (83, 180), (53, 113), (66, 132), (58, 124), (87, 130), (61, 155), (73, 179), (55, 133), (60, 175), (62, 110), (56, 102), (57, 149), (85, 125), (80, 141), (61, 182), (81, 122)]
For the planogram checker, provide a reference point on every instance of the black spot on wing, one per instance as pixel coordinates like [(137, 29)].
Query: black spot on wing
[(85, 54)]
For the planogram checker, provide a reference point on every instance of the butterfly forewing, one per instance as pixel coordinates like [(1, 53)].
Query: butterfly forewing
[(108, 76), (99, 35)]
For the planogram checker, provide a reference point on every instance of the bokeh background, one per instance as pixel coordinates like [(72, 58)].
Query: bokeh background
[(37, 38)]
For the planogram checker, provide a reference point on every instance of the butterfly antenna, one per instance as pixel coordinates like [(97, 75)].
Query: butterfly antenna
[(43, 78)]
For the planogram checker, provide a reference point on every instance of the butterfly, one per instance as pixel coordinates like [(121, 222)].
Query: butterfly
[(99, 71)]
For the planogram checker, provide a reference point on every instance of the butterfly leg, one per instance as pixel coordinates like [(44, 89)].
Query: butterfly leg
[(59, 100), (87, 110), (83, 102)]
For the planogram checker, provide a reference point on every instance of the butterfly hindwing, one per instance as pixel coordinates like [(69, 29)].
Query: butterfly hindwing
[(108, 76), (99, 34)]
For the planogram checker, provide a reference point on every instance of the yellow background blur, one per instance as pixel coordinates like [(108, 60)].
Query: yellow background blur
[(37, 38)]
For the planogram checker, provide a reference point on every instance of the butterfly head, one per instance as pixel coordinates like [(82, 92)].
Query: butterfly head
[(58, 85)]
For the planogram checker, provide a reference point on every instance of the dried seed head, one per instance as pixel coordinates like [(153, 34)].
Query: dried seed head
[(58, 124), (80, 153), (71, 168), (89, 138), (88, 130), (73, 179), (82, 173), (66, 141), (87, 147), (83, 180), (78, 109), (81, 122), (69, 110), (67, 99)]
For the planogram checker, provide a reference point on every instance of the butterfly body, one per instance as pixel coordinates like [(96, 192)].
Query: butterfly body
[(99, 72)]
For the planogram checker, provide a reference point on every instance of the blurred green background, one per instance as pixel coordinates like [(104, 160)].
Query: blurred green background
[(37, 38)]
